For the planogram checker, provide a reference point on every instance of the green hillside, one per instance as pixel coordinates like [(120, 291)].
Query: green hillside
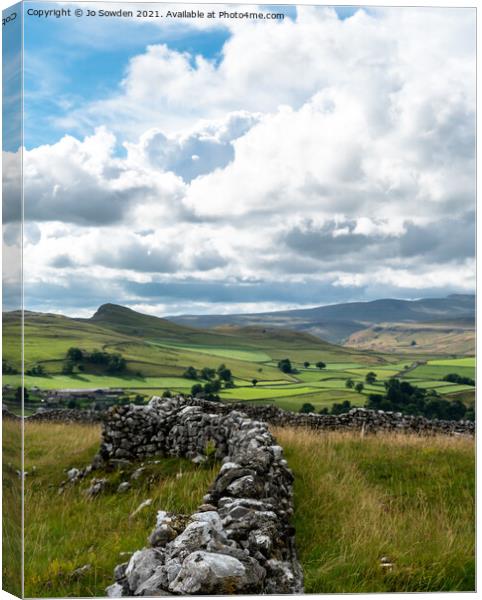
[(158, 352)]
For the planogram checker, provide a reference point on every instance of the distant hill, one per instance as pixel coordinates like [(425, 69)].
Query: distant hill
[(337, 322), (455, 337)]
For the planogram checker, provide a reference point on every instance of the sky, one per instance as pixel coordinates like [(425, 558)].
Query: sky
[(221, 166)]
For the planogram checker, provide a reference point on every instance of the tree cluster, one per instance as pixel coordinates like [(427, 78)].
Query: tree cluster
[(215, 379), (77, 358), (402, 396), (36, 371), (455, 378)]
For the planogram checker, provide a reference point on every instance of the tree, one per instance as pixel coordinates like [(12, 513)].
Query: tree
[(320, 365), (254, 382), (349, 383), (68, 367), (306, 364), (285, 366), (339, 408), (196, 389), (73, 403), (167, 394), (225, 374), (212, 387), (307, 408), (116, 363), (36, 371), (371, 377), (207, 373), (359, 387), (413, 343), (74, 354), (190, 373)]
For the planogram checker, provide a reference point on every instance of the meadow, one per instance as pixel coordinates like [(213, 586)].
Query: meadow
[(357, 500), (362, 503)]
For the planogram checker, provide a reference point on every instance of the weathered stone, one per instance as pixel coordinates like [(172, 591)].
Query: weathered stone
[(141, 566), (207, 573), (96, 487), (115, 591), (162, 535)]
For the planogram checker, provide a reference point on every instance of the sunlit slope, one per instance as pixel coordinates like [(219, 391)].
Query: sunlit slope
[(450, 337)]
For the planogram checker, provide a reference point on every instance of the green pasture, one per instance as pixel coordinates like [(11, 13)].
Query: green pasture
[(438, 372), (468, 361)]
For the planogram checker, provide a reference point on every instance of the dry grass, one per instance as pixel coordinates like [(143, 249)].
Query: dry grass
[(407, 498)]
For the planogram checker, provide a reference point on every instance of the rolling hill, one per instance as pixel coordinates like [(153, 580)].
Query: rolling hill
[(336, 323)]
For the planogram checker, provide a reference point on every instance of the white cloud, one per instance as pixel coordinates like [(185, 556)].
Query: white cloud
[(322, 150)]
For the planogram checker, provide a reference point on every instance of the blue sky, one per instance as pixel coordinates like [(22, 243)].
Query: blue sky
[(242, 166), (79, 65)]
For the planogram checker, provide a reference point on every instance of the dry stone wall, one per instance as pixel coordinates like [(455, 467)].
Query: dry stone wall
[(240, 540), (364, 419), (369, 421)]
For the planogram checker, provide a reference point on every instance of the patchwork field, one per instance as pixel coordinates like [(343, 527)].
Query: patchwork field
[(158, 353)]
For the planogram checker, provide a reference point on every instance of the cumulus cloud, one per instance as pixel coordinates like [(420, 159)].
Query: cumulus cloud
[(317, 154)]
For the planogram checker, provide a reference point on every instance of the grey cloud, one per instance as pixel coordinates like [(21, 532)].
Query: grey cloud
[(207, 260), (442, 241), (202, 151), (85, 202), (62, 261)]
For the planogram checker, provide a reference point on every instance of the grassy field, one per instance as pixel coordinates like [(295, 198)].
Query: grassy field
[(158, 352), (410, 499), (357, 500), (67, 531)]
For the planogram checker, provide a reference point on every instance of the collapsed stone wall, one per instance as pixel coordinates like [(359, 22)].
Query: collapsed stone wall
[(240, 540)]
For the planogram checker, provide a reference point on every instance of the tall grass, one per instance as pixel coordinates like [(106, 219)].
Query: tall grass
[(12, 506), (66, 531), (409, 500)]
